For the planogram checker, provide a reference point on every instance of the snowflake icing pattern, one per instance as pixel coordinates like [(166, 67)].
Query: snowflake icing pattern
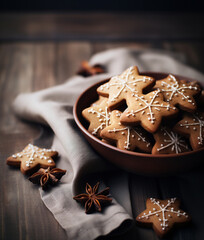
[(175, 141), (175, 90), (149, 106), (124, 84), (165, 210), (32, 153), (129, 135), (197, 122)]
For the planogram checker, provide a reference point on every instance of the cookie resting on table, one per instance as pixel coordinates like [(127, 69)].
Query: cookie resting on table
[(126, 137), (179, 93), (192, 126), (168, 142), (162, 215), (98, 116), (148, 111), (93, 199), (119, 87), (32, 157)]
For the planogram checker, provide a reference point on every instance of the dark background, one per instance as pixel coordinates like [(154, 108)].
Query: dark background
[(42, 43), (113, 5)]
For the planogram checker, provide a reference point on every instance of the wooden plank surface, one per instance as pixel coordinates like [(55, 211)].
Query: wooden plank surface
[(102, 26), (31, 66)]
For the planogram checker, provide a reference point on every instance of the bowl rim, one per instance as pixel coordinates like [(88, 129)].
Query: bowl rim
[(132, 153)]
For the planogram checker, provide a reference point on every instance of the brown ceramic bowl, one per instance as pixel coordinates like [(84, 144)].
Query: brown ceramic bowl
[(136, 162)]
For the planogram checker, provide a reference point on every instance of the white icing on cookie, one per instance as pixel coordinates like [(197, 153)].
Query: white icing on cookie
[(104, 118), (124, 83), (172, 140), (148, 106), (197, 123), (32, 153), (174, 89), (164, 213), (131, 133)]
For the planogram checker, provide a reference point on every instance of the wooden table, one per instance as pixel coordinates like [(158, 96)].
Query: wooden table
[(41, 50)]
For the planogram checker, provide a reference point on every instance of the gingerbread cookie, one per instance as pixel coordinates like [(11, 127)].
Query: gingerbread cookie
[(99, 101), (118, 88), (126, 137), (168, 141), (98, 116), (162, 215), (147, 110), (107, 141), (192, 126), (32, 157), (179, 93)]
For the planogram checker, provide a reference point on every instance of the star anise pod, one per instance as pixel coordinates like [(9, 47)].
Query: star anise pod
[(94, 199), (87, 70), (47, 176)]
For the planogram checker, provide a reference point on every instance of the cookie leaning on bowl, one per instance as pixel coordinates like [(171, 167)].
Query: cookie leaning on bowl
[(98, 117)]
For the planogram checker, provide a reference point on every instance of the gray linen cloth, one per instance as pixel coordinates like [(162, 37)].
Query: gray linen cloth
[(54, 106)]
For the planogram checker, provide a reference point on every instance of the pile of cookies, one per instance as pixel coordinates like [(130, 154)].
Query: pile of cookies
[(137, 113)]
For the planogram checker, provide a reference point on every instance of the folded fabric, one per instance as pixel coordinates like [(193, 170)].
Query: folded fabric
[(54, 107)]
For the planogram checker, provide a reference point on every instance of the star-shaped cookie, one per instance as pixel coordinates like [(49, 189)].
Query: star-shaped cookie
[(168, 142), (192, 126), (118, 87), (32, 157), (162, 215), (99, 101), (126, 137), (147, 110), (98, 116), (179, 93)]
